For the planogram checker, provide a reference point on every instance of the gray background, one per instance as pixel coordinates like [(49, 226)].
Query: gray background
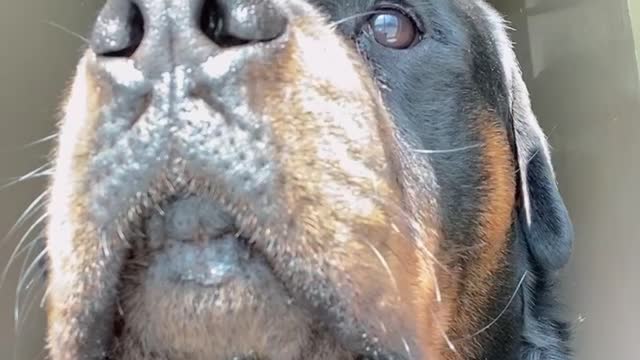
[(580, 62)]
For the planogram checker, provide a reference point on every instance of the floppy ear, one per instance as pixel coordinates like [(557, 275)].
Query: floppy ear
[(544, 218)]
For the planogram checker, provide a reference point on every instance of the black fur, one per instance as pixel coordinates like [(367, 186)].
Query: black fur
[(464, 63)]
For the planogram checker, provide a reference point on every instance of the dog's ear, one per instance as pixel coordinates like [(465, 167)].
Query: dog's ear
[(544, 218)]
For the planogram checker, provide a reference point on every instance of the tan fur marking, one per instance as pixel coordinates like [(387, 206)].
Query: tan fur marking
[(337, 181), (495, 222)]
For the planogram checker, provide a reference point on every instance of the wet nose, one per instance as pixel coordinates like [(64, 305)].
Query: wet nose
[(124, 26)]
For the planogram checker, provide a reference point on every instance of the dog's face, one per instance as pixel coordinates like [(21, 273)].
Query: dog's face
[(285, 179)]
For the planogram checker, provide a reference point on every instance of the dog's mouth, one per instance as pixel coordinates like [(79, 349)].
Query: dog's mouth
[(191, 239), (197, 284)]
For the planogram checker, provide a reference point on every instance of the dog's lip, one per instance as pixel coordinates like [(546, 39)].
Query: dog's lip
[(207, 263), (191, 239)]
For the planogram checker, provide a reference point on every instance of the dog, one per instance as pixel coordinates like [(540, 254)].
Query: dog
[(297, 179)]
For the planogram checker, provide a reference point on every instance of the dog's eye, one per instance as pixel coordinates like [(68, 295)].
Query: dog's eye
[(393, 29)]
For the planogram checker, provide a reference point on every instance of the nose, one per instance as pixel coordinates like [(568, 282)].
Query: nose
[(123, 26)]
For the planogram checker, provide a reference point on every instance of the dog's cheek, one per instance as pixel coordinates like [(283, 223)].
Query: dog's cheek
[(498, 203), (488, 267), (81, 116), (339, 169), (79, 285)]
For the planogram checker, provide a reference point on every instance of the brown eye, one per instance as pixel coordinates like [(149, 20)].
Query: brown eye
[(394, 29)]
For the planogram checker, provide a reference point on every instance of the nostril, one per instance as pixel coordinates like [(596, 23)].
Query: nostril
[(213, 26), (134, 32), (208, 20), (210, 23), (238, 22), (119, 30)]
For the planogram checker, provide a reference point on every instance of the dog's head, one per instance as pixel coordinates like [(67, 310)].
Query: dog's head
[(289, 179)]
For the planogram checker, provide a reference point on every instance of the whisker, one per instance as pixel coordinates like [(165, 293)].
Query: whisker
[(348, 18), (121, 234), (448, 341), (384, 263), (404, 219), (443, 333), (407, 348), (31, 144), (31, 210), (19, 289), (24, 270), (21, 243), (45, 170), (40, 141), (536, 152), (27, 246), (68, 31), (437, 288), (574, 325), (446, 151), (27, 309), (417, 243), (31, 296), (44, 295), (104, 244), (21, 284), (504, 310)]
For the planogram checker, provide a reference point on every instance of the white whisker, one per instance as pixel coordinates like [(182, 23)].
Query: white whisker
[(31, 210), (16, 252), (68, 31), (42, 171), (407, 348), (345, 19), (446, 151), (437, 286), (40, 141), (513, 296), (385, 264), (21, 284)]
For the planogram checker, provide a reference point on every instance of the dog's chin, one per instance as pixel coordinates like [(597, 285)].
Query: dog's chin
[(194, 288)]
